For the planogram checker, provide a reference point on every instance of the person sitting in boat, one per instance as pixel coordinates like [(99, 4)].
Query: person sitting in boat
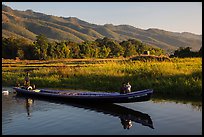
[(128, 88), (18, 84), (123, 88), (33, 86)]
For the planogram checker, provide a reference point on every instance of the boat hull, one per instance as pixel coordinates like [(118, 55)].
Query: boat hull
[(99, 97)]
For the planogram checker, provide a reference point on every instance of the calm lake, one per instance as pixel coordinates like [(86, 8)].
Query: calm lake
[(26, 116)]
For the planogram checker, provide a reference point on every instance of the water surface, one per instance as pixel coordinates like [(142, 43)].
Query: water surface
[(27, 116)]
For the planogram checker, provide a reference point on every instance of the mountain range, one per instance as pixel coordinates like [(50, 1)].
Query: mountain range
[(28, 24)]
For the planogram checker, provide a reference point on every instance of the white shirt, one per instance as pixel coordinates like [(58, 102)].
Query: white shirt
[(128, 87)]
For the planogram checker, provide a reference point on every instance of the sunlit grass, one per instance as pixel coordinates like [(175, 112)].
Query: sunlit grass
[(178, 77)]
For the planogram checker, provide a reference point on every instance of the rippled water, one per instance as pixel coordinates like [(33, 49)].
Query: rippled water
[(22, 116)]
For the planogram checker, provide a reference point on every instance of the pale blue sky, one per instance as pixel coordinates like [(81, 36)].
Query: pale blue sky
[(170, 16)]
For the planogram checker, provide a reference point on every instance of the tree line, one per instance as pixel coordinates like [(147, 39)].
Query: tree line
[(183, 52), (43, 49)]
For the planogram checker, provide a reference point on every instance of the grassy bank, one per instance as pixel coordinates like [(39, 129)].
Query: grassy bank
[(178, 77)]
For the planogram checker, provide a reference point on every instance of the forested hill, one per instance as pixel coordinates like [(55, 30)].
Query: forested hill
[(28, 24)]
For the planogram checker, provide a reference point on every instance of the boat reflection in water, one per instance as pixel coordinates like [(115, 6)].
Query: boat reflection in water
[(127, 124), (126, 115), (28, 103)]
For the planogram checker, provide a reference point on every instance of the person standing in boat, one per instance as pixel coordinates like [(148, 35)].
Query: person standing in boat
[(27, 80), (27, 84)]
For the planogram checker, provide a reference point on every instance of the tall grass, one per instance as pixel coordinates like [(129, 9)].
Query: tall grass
[(178, 77)]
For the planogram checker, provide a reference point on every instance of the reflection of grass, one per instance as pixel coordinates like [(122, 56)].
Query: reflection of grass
[(194, 103), (178, 77)]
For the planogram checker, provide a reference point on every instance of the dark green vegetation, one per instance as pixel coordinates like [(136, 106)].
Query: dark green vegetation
[(186, 52), (43, 49), (28, 24), (176, 78)]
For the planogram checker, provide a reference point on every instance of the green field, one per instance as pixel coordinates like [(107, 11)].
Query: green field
[(176, 78)]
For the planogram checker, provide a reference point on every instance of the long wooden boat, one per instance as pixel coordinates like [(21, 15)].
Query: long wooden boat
[(99, 97)]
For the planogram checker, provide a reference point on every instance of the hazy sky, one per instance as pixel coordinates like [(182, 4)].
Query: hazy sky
[(170, 16)]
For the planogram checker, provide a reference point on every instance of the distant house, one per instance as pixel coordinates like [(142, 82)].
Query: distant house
[(146, 52), (17, 59)]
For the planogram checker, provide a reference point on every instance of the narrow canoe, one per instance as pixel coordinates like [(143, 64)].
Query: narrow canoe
[(99, 97)]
